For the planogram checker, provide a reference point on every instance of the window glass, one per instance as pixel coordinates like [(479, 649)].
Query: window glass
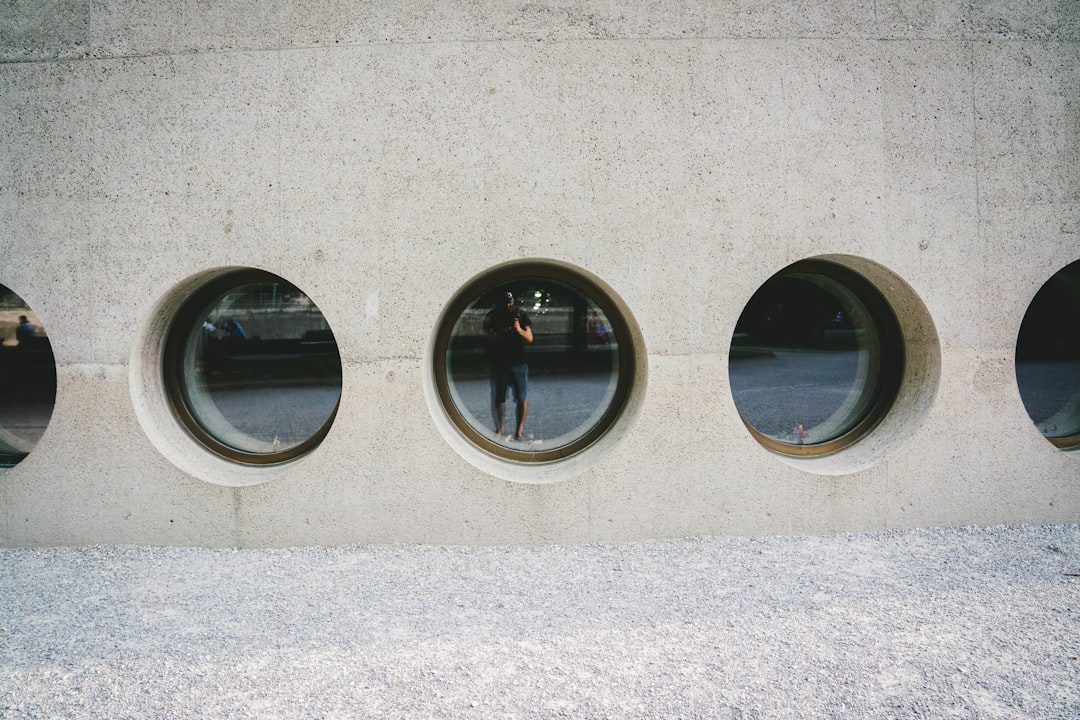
[(1048, 358), (253, 368), (534, 365), (815, 359), (27, 378)]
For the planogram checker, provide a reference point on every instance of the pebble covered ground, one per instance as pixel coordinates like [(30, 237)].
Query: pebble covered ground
[(958, 623)]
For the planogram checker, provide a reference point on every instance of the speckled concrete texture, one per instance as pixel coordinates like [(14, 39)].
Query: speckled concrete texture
[(381, 155)]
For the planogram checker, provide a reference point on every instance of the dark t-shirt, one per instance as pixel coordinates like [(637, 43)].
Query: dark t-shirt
[(505, 345)]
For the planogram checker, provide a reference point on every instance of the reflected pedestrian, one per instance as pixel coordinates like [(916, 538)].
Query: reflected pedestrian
[(25, 330), (232, 330), (598, 333), (508, 330)]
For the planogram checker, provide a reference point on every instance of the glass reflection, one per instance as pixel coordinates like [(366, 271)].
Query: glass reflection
[(805, 359), (1048, 358), (260, 368), (532, 364), (27, 379)]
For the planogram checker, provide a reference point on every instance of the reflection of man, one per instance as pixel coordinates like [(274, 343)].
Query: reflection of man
[(508, 330), (232, 330), (598, 334), (25, 330)]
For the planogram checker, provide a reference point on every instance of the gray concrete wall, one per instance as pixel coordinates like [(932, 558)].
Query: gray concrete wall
[(380, 155)]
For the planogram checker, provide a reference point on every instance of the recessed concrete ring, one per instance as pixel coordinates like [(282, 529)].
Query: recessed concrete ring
[(1046, 360), (154, 393), (543, 459), (913, 392)]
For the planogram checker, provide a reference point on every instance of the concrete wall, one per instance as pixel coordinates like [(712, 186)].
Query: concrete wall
[(380, 155)]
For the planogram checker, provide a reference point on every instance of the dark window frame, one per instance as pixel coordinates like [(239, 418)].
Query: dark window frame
[(18, 360), (192, 311), (522, 271), (1061, 282), (892, 350)]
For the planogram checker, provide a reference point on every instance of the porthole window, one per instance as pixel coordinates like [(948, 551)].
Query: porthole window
[(816, 359), (27, 379), (252, 368), (1048, 358), (533, 362)]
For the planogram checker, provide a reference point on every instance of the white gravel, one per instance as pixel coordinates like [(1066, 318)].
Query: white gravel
[(970, 623)]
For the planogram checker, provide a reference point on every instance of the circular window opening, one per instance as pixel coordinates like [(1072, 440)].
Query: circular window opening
[(252, 368), (1048, 358), (533, 362), (27, 379), (816, 359)]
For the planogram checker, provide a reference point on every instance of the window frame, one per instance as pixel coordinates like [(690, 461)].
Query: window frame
[(192, 310), (893, 360), (1063, 442), (578, 282), (12, 455)]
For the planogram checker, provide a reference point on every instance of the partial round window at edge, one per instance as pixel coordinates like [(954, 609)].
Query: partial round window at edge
[(27, 379), (816, 359), (533, 362), (252, 368), (1048, 358)]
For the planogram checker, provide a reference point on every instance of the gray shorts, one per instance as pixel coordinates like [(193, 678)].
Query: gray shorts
[(513, 376)]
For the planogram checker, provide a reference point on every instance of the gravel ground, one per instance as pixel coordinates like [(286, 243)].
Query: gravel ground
[(970, 623)]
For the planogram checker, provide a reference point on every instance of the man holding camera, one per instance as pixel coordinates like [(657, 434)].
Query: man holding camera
[(508, 330)]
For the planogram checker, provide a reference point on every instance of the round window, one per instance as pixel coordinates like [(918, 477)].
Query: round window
[(533, 362), (252, 368), (816, 359), (1048, 358), (27, 379)]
